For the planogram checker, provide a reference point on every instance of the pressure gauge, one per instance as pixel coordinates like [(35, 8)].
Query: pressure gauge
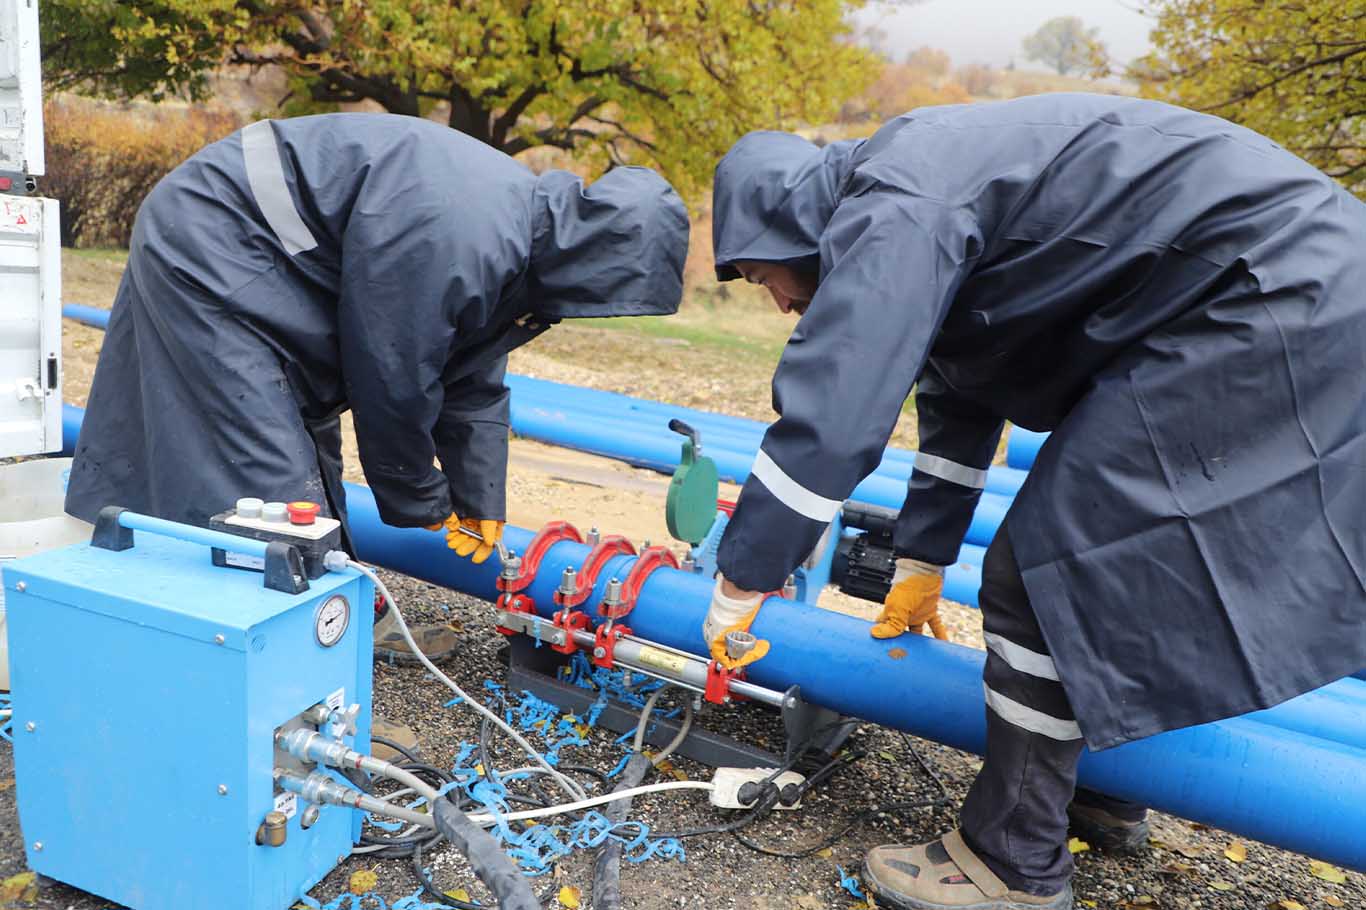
[(331, 621)]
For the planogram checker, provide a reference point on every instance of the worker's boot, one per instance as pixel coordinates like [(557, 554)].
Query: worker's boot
[(395, 733), (946, 875), (1107, 824), (436, 641)]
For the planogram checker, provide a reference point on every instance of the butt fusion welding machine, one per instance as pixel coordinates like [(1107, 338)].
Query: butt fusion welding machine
[(855, 552), (152, 680)]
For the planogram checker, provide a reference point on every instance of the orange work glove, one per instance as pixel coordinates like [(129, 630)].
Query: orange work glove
[(473, 537), (913, 601), (732, 614)]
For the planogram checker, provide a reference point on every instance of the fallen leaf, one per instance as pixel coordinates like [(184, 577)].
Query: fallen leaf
[(1189, 851), (1077, 845), (363, 881), (1217, 885), (887, 756), (569, 897), (21, 887), (1287, 904), (6, 784), (458, 894), (1086, 903), (1327, 872), (1236, 852), (897, 653), (1175, 868), (1332, 900), (825, 853)]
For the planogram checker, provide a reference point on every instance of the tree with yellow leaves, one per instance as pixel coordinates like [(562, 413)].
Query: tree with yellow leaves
[(1294, 70), (668, 83)]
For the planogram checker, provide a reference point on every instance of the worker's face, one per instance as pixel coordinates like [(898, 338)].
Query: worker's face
[(792, 289)]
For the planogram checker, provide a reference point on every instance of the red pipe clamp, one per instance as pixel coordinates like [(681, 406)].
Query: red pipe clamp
[(511, 597), (614, 609), (571, 619)]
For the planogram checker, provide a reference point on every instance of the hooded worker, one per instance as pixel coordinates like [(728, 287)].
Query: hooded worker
[(374, 263), (1181, 302)]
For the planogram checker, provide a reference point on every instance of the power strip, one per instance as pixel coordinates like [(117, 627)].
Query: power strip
[(728, 781)]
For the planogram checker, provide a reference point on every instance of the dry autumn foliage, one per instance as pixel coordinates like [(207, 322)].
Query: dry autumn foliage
[(102, 159)]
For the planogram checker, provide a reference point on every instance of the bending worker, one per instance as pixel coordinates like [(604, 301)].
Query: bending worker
[(374, 263), (1181, 302)]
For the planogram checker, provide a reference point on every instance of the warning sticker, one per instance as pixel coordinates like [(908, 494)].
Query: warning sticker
[(662, 660), (243, 561), (20, 215), (288, 803), (336, 700)]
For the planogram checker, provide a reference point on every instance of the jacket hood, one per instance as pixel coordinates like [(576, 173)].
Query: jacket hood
[(774, 193), (612, 248)]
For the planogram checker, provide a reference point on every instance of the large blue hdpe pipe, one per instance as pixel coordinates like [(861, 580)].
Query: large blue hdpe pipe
[(1246, 775), (90, 315), (1022, 447), (573, 418)]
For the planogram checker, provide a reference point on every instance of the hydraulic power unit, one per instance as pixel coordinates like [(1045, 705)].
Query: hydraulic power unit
[(149, 686)]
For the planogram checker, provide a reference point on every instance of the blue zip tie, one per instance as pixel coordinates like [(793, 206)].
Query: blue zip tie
[(850, 883)]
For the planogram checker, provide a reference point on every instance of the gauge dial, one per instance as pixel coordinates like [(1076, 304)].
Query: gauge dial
[(332, 620)]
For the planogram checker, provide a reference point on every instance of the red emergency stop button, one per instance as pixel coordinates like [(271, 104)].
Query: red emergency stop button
[(302, 513)]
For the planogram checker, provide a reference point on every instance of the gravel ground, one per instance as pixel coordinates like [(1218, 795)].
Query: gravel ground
[(1185, 868)]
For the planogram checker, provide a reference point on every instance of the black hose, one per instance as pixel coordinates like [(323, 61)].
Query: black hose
[(607, 869), (491, 865)]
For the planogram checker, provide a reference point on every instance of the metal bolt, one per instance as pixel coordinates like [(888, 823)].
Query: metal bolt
[(594, 537), (219, 639), (21, 586), (38, 846), (341, 859), (568, 581), (645, 545), (30, 726), (599, 653), (222, 789)]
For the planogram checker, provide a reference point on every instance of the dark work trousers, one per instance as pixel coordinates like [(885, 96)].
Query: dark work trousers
[(1015, 815)]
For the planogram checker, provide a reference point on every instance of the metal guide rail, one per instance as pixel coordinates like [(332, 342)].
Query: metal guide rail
[(612, 645)]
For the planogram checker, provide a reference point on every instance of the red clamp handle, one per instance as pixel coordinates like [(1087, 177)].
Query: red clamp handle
[(571, 621), (605, 642), (514, 603), (607, 548), (650, 559), (717, 690), (547, 537)]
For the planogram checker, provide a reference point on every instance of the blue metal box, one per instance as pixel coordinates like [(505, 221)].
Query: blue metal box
[(148, 685)]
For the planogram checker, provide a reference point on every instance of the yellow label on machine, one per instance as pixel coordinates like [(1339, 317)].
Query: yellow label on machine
[(662, 660)]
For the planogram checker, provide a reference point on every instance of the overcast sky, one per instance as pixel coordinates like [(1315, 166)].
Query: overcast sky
[(990, 31)]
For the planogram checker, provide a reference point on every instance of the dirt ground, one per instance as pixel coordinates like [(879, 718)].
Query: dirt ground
[(1187, 865)]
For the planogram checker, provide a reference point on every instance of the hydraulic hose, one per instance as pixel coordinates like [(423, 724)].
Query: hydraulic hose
[(607, 869), (491, 865)]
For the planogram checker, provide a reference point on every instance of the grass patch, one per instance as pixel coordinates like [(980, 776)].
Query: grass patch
[(114, 255)]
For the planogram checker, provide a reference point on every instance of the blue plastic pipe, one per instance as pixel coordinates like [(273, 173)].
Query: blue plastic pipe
[(609, 424), (1245, 775), (90, 315), (1022, 447)]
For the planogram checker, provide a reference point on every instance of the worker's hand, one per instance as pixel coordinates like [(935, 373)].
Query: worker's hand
[(473, 537), (732, 610), (913, 601)]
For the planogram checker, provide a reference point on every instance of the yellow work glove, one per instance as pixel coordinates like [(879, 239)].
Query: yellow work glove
[(466, 544), (913, 601), (731, 614)]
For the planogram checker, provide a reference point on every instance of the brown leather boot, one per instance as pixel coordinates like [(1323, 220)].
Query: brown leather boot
[(946, 875), (396, 733), (436, 641)]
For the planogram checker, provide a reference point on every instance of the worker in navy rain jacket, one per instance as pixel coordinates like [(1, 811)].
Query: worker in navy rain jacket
[(374, 263), (1183, 303)]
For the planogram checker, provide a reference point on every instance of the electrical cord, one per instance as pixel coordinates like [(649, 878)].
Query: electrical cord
[(565, 783)]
